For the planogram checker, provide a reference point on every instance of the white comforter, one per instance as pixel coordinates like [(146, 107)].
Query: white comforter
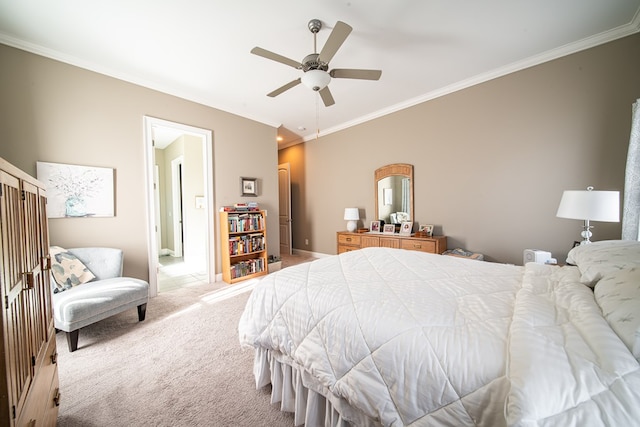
[(408, 338)]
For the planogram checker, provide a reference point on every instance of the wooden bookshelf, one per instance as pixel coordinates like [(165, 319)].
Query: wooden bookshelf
[(243, 243)]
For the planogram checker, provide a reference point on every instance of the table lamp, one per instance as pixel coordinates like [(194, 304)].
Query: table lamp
[(588, 206), (351, 215)]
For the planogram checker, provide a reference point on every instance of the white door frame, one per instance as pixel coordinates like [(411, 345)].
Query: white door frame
[(152, 244), (176, 197)]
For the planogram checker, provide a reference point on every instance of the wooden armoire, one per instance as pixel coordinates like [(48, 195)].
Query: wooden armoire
[(29, 393)]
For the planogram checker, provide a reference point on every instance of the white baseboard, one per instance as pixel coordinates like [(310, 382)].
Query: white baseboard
[(309, 253)]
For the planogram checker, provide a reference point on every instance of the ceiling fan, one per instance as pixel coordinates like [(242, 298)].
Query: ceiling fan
[(316, 65)]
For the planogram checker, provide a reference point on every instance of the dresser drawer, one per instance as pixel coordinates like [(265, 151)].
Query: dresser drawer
[(389, 242), (418, 245), (349, 239)]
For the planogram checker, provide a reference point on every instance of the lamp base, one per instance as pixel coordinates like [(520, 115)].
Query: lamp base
[(351, 226), (586, 233)]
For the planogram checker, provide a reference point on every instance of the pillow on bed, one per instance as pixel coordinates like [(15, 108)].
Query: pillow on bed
[(67, 270), (599, 259), (618, 295)]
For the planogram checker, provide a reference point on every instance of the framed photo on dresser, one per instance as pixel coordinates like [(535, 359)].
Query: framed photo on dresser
[(428, 229), (375, 227), (389, 229), (406, 228)]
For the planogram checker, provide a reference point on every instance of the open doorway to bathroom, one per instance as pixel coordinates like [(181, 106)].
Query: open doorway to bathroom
[(181, 229)]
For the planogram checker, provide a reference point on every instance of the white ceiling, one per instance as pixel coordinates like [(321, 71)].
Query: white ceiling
[(200, 49)]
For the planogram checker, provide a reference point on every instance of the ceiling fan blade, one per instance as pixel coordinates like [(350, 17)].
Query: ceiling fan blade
[(275, 57), (326, 96), (335, 40), (288, 86), (346, 73)]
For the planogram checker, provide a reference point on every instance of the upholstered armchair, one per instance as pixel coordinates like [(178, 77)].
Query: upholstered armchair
[(89, 287)]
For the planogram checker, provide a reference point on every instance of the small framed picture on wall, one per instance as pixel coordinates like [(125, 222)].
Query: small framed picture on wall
[(248, 187)]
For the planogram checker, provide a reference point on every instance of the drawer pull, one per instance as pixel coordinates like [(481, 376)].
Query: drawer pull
[(417, 246), (348, 239), (56, 398)]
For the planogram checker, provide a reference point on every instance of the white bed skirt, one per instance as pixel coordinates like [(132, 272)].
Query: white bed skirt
[(296, 391)]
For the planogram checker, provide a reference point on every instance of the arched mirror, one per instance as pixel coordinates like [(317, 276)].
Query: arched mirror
[(394, 193)]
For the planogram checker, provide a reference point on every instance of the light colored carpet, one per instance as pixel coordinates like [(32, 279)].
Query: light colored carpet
[(182, 366)]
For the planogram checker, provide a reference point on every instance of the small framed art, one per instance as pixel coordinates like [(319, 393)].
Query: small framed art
[(427, 229), (389, 229), (248, 187), (406, 227), (375, 226)]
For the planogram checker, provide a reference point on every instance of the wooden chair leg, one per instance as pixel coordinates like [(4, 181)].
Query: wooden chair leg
[(72, 340), (142, 312)]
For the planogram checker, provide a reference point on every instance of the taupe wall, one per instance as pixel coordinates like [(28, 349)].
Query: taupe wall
[(54, 112), (491, 161)]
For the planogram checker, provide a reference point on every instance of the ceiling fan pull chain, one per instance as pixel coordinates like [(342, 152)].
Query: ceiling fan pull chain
[(317, 117)]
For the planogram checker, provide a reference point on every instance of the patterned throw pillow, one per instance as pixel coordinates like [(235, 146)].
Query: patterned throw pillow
[(68, 271), (618, 295)]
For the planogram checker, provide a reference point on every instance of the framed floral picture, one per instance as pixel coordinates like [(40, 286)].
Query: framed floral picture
[(77, 191)]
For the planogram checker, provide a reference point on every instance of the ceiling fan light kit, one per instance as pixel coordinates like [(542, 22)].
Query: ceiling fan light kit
[(315, 66), (316, 79)]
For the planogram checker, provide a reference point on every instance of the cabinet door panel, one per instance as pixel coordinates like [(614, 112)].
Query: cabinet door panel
[(370, 241), (389, 242), (14, 299)]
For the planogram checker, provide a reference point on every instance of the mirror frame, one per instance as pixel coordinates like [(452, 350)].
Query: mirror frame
[(402, 169)]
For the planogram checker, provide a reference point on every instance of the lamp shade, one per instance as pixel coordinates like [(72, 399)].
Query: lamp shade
[(316, 79), (351, 214), (590, 205)]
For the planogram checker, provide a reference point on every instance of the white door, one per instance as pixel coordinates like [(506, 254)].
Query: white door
[(284, 187)]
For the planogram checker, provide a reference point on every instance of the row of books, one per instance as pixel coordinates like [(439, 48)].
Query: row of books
[(246, 244), (241, 207), (246, 222), (245, 268)]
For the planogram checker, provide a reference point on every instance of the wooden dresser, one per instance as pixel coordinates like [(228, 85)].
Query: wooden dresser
[(351, 241), (28, 357)]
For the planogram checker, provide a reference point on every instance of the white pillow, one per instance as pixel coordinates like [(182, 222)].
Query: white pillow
[(618, 295), (599, 259)]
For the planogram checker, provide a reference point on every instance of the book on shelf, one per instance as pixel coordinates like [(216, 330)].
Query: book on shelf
[(240, 208)]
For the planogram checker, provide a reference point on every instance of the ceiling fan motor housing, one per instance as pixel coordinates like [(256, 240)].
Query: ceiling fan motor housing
[(310, 62)]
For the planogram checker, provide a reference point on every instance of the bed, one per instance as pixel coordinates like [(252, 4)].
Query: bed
[(391, 337)]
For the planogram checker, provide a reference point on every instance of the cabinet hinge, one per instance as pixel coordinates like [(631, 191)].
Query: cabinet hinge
[(6, 302), (0, 191), (23, 195), (13, 410), (33, 360)]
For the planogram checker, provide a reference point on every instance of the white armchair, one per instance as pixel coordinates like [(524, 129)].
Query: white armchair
[(107, 294)]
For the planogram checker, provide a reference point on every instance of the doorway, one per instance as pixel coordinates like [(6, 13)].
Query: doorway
[(180, 191), (284, 186)]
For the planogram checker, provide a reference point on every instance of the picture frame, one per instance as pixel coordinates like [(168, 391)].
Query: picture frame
[(374, 227), (76, 191), (427, 228), (389, 229), (248, 187), (406, 227)]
